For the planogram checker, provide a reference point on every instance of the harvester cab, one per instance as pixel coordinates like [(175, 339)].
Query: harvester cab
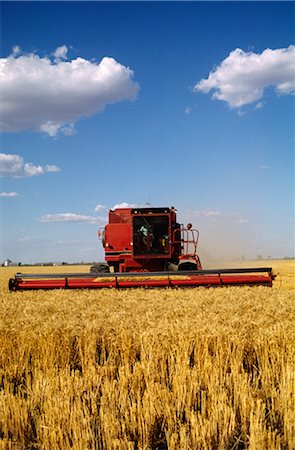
[(146, 247), (149, 240)]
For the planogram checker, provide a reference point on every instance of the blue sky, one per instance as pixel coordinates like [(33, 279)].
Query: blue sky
[(189, 104)]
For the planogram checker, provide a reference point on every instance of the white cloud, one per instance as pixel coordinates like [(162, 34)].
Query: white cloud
[(50, 128), (69, 217), (207, 213), (124, 205), (51, 168), (99, 208), (16, 50), (15, 166), (61, 53), (8, 194), (242, 77), (41, 94), (260, 105)]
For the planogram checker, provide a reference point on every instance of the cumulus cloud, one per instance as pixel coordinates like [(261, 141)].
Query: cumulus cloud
[(61, 53), (50, 95), (16, 50), (124, 205), (99, 208), (8, 194), (242, 77), (69, 217), (15, 166)]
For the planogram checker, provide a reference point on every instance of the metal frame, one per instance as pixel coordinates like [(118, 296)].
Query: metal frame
[(212, 277)]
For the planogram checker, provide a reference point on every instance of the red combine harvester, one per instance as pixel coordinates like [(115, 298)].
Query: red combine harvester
[(146, 247)]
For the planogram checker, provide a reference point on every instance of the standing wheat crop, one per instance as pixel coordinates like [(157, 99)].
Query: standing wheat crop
[(148, 369)]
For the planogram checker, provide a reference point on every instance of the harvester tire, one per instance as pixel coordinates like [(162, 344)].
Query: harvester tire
[(99, 268), (187, 266)]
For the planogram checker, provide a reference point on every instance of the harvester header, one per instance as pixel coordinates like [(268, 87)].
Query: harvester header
[(146, 247)]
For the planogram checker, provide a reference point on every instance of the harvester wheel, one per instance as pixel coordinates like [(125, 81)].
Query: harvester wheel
[(99, 268), (12, 284), (187, 266)]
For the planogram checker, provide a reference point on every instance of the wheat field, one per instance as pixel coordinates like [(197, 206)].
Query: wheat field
[(203, 368)]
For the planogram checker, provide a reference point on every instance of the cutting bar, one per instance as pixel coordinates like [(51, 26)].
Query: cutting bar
[(262, 276)]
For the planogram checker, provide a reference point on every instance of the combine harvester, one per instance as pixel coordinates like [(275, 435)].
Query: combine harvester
[(146, 247)]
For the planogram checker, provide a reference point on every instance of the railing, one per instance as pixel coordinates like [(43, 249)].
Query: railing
[(188, 239)]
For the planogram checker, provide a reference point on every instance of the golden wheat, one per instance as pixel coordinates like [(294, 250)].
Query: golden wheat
[(148, 369)]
